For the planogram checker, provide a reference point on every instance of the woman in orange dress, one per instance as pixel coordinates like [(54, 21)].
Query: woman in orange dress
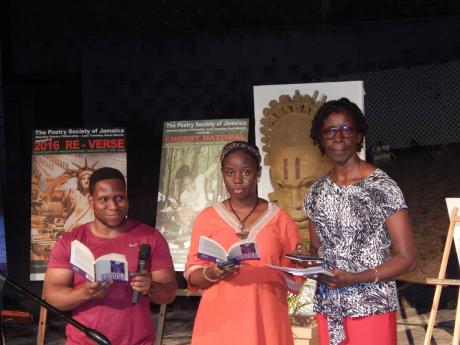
[(247, 303)]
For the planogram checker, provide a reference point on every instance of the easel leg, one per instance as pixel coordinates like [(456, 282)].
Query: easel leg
[(441, 278), (160, 324), (434, 311), (42, 326)]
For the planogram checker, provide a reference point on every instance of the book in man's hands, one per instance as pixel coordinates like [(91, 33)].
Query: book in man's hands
[(302, 271), (210, 250), (111, 266)]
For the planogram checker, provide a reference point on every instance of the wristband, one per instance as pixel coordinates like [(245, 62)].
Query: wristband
[(206, 276)]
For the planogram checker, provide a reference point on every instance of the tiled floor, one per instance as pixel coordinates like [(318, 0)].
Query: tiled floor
[(412, 328)]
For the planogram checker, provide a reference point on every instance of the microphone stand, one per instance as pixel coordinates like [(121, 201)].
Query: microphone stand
[(99, 338)]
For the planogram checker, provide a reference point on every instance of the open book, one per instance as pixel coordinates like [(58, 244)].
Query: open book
[(107, 267), (210, 250), (302, 271)]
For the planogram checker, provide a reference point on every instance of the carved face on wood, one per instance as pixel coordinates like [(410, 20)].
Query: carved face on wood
[(295, 163)]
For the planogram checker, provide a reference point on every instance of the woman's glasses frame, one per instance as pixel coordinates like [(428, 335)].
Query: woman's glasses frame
[(346, 131)]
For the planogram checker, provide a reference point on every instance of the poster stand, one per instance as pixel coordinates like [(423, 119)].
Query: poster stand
[(162, 314), (441, 282), (42, 325)]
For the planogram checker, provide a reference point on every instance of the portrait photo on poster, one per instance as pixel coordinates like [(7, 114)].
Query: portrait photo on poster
[(190, 178)]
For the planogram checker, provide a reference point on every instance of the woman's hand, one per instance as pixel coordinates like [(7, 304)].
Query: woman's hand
[(300, 257), (211, 275), (215, 272), (340, 279)]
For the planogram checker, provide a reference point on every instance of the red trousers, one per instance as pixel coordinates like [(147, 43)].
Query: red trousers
[(374, 329)]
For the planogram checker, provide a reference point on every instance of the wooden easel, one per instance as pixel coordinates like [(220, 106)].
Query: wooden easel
[(162, 314), (42, 326), (440, 282)]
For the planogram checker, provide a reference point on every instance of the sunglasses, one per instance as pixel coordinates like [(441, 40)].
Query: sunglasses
[(346, 131)]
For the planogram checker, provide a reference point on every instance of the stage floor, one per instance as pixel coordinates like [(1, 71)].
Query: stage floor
[(178, 329)]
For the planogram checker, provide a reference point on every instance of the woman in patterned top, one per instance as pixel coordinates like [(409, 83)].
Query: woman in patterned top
[(359, 224)]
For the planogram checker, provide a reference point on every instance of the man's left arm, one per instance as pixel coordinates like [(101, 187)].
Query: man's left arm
[(163, 286)]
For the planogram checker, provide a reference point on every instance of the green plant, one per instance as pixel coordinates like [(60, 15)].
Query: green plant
[(296, 303)]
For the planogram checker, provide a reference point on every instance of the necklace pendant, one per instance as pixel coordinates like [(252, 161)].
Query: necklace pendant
[(242, 235), (242, 226)]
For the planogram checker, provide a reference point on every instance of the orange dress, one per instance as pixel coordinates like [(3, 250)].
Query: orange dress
[(251, 307)]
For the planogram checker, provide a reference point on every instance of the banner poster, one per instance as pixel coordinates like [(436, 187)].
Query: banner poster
[(3, 266), (190, 177), (62, 162)]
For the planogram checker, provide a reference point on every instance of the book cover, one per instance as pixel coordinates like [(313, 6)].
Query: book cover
[(210, 250), (302, 271), (111, 266)]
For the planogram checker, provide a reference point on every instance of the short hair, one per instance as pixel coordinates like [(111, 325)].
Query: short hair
[(342, 105), (105, 173), (240, 145)]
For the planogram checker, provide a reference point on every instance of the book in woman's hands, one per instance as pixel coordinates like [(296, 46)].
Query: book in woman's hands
[(302, 271), (304, 258), (210, 250), (106, 267)]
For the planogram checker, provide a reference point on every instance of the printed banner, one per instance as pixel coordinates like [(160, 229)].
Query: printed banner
[(62, 162), (190, 177)]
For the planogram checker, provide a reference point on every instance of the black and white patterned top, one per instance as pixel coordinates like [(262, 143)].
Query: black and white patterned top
[(350, 222)]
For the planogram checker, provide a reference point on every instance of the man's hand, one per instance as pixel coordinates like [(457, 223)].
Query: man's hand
[(141, 282), (59, 290), (97, 289)]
